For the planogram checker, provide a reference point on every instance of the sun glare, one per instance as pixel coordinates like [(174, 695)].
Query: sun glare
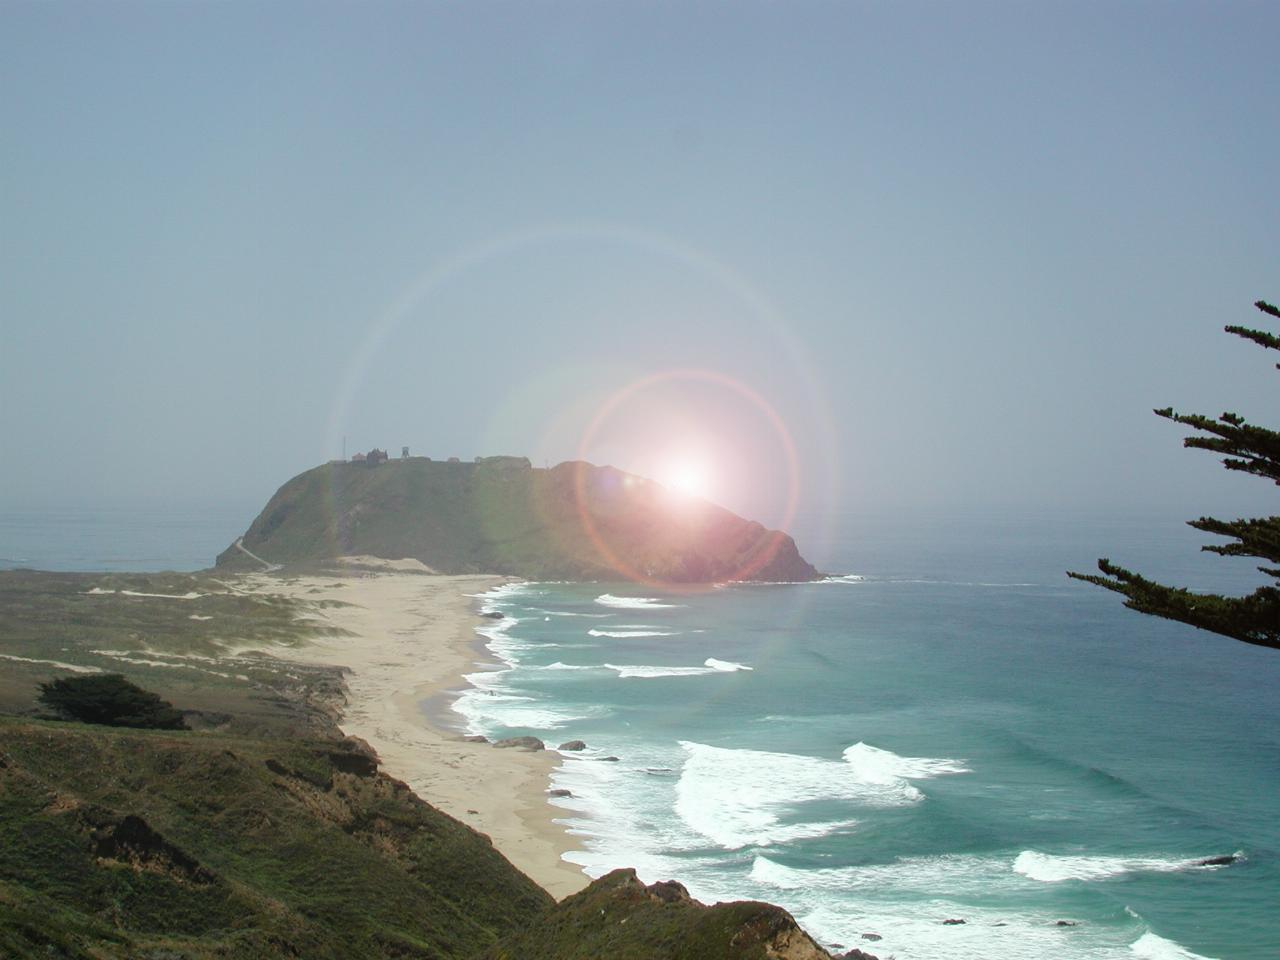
[(687, 477)]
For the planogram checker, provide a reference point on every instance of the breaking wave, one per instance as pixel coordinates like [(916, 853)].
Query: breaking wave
[(633, 633), (1149, 946), (738, 798), (1048, 868), (634, 603), (710, 665)]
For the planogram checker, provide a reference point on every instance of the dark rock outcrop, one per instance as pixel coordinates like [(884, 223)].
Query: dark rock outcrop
[(356, 756), (670, 891), (572, 745), (132, 841), (522, 743), (1222, 861), (618, 916)]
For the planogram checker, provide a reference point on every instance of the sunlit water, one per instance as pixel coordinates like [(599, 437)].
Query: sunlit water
[(964, 734)]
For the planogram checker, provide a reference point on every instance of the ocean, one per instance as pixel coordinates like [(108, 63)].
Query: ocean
[(949, 729)]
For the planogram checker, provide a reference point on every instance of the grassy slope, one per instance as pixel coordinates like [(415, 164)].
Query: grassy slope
[(155, 642), (501, 516), (252, 848)]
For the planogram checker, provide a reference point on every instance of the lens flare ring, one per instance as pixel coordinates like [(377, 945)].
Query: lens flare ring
[(764, 553)]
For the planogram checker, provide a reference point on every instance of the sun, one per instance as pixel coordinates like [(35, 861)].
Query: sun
[(686, 476)]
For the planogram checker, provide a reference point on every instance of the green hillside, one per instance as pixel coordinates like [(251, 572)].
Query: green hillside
[(124, 843), (500, 515)]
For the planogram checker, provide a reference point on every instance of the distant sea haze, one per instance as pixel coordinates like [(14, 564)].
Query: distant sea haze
[(134, 538), (952, 731)]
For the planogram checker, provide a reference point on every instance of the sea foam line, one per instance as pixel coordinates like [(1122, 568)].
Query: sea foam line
[(710, 665), (1048, 868), (634, 603), (633, 633)]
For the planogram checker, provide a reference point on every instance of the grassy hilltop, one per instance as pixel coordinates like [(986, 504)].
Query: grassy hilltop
[(500, 515)]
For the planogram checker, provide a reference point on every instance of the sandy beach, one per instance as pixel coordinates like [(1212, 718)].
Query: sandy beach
[(413, 638)]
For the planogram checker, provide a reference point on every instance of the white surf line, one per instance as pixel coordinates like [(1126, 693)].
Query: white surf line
[(239, 545)]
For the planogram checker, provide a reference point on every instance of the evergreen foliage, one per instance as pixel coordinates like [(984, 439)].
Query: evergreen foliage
[(112, 700), (1248, 448)]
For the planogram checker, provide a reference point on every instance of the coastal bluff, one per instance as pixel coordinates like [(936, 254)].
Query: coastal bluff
[(574, 521)]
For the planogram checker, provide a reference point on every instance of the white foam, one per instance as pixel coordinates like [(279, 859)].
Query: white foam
[(845, 578), (633, 633), (567, 613), (710, 665), (882, 766), (916, 931), (958, 874), (633, 603), (487, 707), (739, 797), (1048, 868), (1152, 947)]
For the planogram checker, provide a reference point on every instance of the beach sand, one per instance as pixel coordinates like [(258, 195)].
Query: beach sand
[(413, 638)]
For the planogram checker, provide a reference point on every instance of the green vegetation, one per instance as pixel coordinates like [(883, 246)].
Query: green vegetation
[(196, 640), (1254, 618), (500, 515), (109, 699), (150, 844)]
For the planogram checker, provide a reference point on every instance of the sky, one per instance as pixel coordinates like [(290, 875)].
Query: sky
[(874, 257)]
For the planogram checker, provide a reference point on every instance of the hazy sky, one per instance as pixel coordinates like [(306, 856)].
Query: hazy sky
[(953, 254)]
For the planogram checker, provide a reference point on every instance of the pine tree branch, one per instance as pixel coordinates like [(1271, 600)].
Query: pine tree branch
[(1258, 537), (1271, 342), (1251, 449), (1254, 619)]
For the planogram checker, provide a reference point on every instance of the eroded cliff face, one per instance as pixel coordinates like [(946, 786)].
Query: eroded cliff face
[(574, 521), (619, 917)]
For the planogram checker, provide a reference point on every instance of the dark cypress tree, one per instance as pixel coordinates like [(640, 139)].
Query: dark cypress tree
[(1254, 618), (110, 699)]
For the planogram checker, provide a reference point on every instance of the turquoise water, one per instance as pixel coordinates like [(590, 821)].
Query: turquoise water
[(963, 733)]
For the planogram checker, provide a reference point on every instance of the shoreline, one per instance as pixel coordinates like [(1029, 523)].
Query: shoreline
[(412, 641)]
